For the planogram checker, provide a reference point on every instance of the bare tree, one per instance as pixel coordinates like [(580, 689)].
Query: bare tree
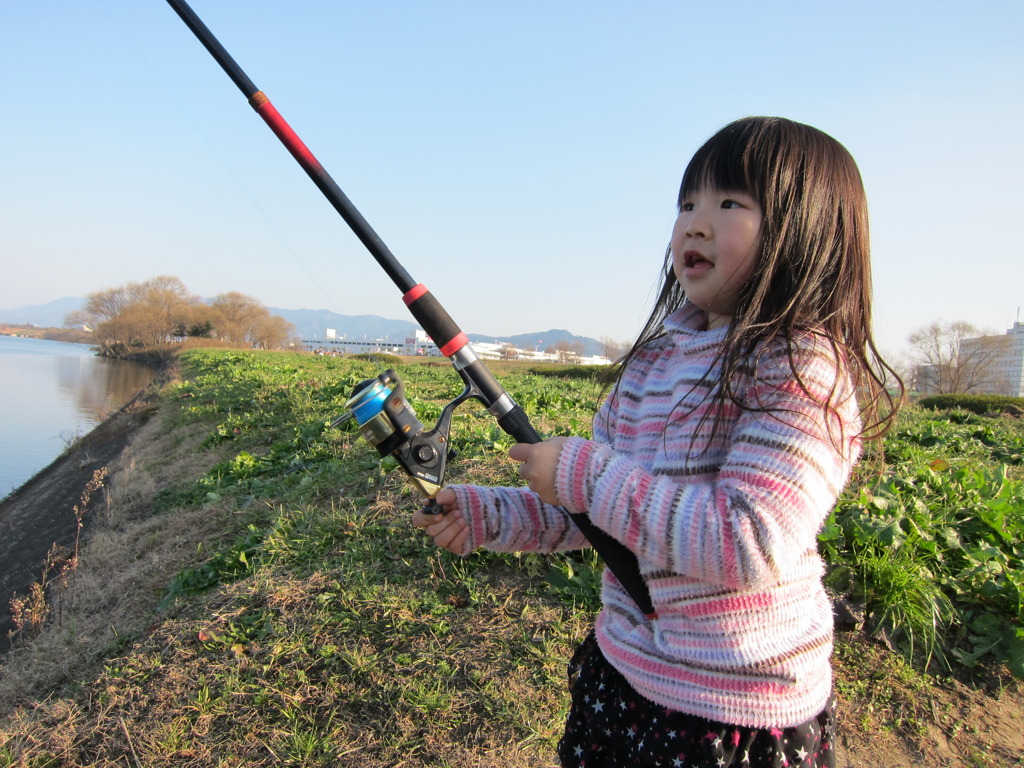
[(234, 316), (135, 315), (163, 307), (100, 314), (956, 358), (99, 307), (567, 351), (612, 349), (273, 332), (241, 319), (509, 352)]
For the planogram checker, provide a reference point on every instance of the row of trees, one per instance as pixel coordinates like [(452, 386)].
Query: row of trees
[(149, 316)]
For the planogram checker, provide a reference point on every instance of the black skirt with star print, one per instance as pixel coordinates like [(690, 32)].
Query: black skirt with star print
[(611, 726)]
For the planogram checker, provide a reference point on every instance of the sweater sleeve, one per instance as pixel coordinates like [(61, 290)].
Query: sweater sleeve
[(515, 520), (742, 526)]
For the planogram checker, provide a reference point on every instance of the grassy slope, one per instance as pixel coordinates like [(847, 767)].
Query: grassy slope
[(305, 623)]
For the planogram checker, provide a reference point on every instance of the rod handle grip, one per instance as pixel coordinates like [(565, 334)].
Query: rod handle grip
[(616, 555), (517, 424), (435, 320)]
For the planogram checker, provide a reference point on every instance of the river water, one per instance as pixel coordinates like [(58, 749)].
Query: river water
[(50, 393)]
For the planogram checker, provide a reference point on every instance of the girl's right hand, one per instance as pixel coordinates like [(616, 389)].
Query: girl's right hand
[(448, 529)]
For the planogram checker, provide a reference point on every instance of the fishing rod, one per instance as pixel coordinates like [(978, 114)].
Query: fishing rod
[(379, 406)]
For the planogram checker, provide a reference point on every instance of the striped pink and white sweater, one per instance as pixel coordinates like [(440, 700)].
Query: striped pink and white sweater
[(725, 529)]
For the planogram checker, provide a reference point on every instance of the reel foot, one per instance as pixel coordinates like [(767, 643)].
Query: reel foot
[(433, 509)]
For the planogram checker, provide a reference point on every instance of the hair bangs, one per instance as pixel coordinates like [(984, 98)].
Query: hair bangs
[(722, 163)]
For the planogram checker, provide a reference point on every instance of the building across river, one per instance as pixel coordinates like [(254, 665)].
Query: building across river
[(421, 345), (999, 361)]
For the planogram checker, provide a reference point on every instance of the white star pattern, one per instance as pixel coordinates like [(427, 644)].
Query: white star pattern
[(610, 722)]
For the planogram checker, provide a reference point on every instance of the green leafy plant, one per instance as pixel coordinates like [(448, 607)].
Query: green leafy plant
[(935, 544), (577, 579)]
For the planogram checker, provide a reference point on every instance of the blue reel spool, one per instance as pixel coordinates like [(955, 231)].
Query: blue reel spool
[(368, 402)]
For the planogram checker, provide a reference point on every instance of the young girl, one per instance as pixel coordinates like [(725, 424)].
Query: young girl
[(724, 443)]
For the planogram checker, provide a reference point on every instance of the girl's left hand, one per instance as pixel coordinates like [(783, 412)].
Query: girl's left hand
[(539, 461)]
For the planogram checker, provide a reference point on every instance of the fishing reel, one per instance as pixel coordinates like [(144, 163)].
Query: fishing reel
[(390, 425)]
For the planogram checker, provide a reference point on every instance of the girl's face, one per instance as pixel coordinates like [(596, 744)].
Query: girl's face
[(715, 243)]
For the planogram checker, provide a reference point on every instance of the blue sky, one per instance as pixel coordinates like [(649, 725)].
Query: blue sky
[(520, 159)]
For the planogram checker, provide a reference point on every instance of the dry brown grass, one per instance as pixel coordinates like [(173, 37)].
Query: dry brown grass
[(126, 565)]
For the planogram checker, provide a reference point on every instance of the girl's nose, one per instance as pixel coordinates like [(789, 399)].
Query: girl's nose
[(697, 225)]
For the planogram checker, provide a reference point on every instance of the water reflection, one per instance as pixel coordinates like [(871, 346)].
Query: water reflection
[(97, 386), (50, 393)]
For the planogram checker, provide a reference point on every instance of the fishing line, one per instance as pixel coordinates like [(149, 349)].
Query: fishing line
[(480, 383), (197, 127)]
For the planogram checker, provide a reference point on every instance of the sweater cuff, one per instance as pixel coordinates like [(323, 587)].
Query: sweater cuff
[(469, 502)]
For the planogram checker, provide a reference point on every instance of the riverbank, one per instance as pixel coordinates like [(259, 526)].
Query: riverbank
[(40, 514), (71, 335)]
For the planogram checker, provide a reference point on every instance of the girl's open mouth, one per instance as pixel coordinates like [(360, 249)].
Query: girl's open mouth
[(695, 260)]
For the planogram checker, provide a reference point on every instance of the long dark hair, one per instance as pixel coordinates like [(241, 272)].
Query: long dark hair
[(813, 271)]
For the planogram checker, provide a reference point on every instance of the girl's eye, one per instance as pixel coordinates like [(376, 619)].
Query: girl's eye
[(686, 207), (731, 204)]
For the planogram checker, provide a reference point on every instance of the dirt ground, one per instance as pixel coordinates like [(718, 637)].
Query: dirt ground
[(962, 726), (932, 722)]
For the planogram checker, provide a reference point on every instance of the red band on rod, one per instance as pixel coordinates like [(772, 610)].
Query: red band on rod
[(455, 345), (414, 293), (284, 132)]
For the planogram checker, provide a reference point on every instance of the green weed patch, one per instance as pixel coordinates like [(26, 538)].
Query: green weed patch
[(933, 547)]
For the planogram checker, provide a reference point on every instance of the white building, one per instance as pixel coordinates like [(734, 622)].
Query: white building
[(418, 344), (421, 345), (1003, 360)]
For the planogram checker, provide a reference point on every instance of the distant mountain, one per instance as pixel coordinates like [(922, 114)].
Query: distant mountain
[(313, 324), (49, 315)]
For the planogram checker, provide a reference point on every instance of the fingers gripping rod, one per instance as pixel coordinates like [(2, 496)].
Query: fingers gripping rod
[(453, 343)]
